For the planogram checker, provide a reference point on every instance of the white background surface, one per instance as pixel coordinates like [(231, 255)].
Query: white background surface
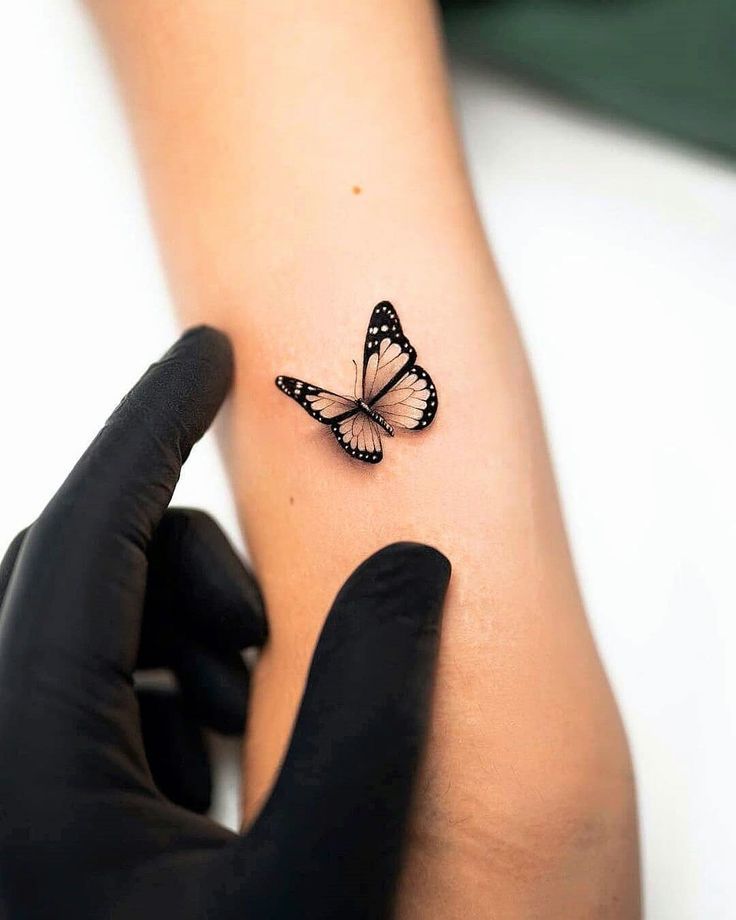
[(618, 250)]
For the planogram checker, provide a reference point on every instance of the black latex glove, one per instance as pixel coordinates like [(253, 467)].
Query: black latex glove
[(202, 608), (84, 832)]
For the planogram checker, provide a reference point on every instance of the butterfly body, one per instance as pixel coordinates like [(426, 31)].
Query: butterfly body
[(377, 417), (396, 393)]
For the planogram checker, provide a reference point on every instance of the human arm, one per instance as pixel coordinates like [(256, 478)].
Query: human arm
[(303, 164)]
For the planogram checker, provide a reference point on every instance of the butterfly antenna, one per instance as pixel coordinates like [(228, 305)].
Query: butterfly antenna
[(355, 385)]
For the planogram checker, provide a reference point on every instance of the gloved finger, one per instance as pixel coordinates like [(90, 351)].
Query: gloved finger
[(199, 588), (80, 581), (214, 686), (337, 814), (7, 564), (202, 606), (175, 749)]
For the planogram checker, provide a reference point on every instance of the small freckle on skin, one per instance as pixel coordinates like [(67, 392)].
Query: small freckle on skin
[(357, 190), (291, 499)]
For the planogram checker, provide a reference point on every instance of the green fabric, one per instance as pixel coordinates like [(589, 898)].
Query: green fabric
[(668, 64)]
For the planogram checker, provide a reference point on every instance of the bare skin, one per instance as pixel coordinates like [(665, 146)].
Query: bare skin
[(302, 165)]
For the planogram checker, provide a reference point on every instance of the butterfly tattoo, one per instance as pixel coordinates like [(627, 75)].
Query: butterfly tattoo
[(395, 392)]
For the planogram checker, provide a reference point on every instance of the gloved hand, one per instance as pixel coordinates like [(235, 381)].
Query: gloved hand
[(84, 832), (202, 607)]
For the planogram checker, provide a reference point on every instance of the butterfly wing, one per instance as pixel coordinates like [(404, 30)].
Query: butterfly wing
[(360, 437), (411, 402), (387, 353), (321, 404)]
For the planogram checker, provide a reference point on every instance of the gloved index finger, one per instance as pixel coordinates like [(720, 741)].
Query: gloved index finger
[(80, 579), (125, 479)]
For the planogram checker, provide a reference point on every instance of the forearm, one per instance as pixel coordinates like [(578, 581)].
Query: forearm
[(302, 166)]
